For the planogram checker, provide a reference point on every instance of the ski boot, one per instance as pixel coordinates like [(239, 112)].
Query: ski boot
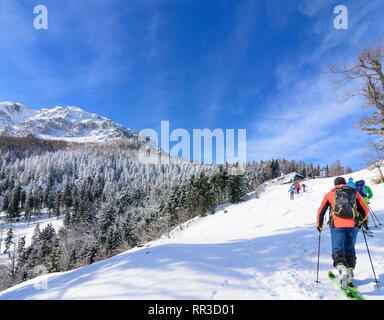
[(343, 275), (350, 278)]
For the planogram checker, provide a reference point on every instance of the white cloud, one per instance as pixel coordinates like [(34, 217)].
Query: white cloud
[(306, 121), (304, 118)]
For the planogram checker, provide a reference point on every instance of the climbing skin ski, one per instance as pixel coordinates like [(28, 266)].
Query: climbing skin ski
[(351, 292), (356, 293)]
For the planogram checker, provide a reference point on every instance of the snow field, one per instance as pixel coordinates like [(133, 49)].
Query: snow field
[(262, 248)]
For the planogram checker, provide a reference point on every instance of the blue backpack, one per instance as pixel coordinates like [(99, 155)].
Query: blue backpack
[(360, 187)]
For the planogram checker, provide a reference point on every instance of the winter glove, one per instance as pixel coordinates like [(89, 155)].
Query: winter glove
[(361, 225), (319, 229)]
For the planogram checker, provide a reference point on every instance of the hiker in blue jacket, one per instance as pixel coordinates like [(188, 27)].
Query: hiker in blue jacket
[(351, 183), (292, 191)]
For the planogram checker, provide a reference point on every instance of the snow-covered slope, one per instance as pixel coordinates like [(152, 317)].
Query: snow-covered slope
[(65, 123), (259, 249), (23, 228)]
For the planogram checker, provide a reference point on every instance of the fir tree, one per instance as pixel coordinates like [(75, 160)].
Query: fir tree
[(13, 210), (28, 207), (67, 219), (5, 203), (237, 188), (93, 252), (72, 260), (66, 196), (57, 204), (53, 262), (107, 219), (9, 241)]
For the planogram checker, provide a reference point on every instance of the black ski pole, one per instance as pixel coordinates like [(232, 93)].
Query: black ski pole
[(373, 219), (373, 214), (377, 220), (318, 260), (370, 259)]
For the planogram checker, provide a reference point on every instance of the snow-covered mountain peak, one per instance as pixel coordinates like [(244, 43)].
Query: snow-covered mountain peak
[(12, 113), (13, 107), (70, 111), (61, 122)]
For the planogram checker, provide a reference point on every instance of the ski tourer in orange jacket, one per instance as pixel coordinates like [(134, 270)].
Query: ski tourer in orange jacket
[(339, 222)]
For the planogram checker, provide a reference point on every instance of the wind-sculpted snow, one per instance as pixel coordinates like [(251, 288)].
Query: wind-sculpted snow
[(262, 248)]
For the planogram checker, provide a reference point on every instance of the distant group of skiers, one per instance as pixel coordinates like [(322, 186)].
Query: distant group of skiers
[(295, 189), (348, 203)]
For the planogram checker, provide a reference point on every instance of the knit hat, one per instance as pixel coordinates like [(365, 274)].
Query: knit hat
[(339, 180)]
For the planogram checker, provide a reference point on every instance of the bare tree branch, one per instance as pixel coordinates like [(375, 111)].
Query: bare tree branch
[(369, 68)]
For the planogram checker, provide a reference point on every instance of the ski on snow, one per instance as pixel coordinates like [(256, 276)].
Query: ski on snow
[(351, 292), (356, 293)]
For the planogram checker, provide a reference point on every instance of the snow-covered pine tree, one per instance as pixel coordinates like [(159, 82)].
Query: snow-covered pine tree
[(9, 242), (53, 261), (237, 188), (92, 254)]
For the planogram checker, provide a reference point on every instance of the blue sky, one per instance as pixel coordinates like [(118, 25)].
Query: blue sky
[(237, 64)]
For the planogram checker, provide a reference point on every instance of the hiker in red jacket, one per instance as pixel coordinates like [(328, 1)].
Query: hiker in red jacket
[(348, 212), (297, 187)]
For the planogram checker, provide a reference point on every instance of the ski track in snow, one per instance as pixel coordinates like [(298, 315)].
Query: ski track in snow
[(262, 248)]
